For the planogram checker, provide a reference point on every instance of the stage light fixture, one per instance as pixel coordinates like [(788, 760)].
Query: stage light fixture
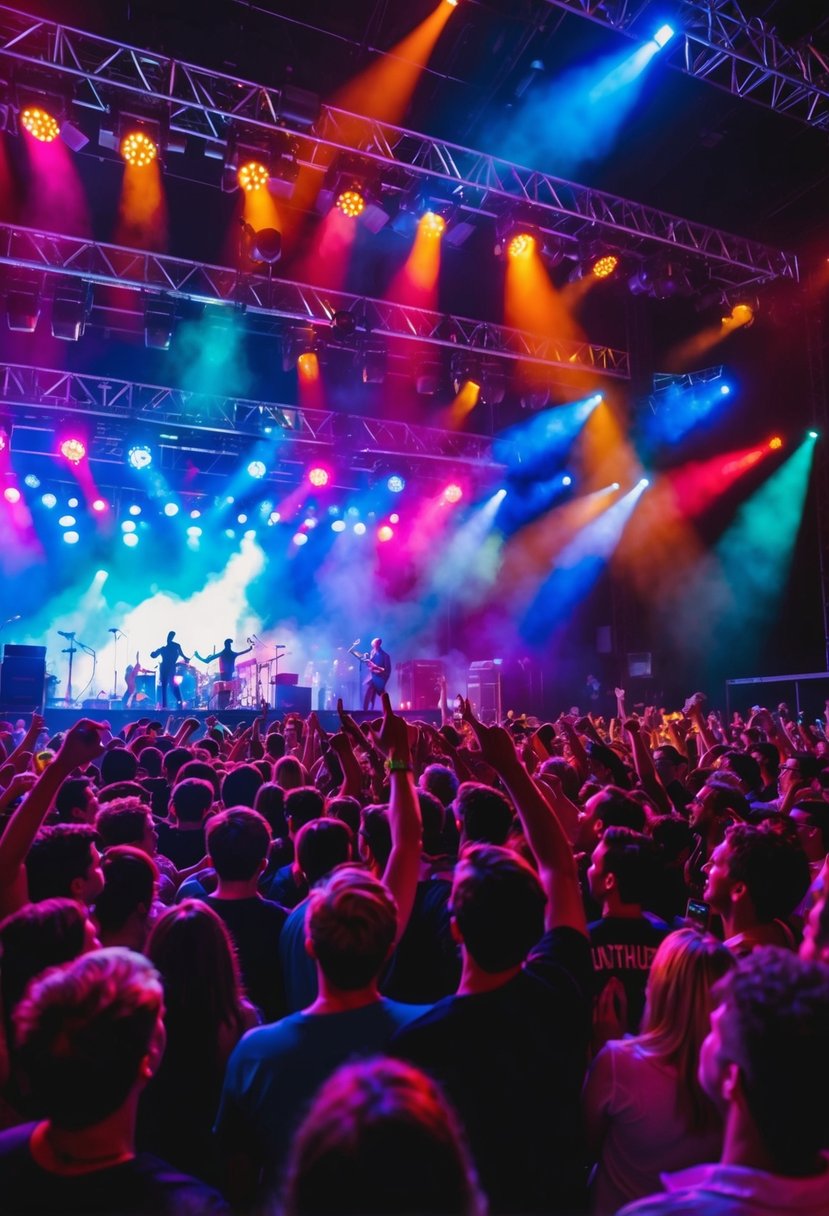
[(252, 175), (428, 378), (134, 509), (40, 124), (194, 531), (71, 537), (359, 529), (813, 434), (49, 500), (725, 389), (300, 538), (73, 450), (604, 266), (396, 483), (128, 525), (319, 477), (344, 323), (775, 443), (644, 482), (567, 480), (660, 278), (159, 324), (71, 307), (351, 202), (171, 509), (265, 245), (23, 307), (32, 481), (99, 505), (453, 492), (374, 364), (257, 469), (140, 456), (338, 525), (664, 35), (67, 521), (433, 224), (308, 365), (73, 503), (12, 495), (130, 539), (138, 148), (493, 384), (522, 245), (385, 533)]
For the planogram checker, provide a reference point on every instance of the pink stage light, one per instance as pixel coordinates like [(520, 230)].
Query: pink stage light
[(385, 533), (453, 492), (319, 477), (74, 450), (99, 505), (11, 494)]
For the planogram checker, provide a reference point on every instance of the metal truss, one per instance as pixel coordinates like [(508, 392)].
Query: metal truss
[(197, 102), (28, 249), (224, 424), (662, 381), (716, 41)]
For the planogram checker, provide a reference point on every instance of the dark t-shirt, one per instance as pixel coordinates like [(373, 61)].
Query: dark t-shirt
[(426, 964), (144, 1186), (299, 971), (513, 1062), (287, 887), (623, 947), (255, 925), (184, 848)]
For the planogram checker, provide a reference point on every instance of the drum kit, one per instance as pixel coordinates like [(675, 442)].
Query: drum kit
[(202, 691)]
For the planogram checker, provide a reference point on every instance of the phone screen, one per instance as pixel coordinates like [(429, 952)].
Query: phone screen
[(697, 912)]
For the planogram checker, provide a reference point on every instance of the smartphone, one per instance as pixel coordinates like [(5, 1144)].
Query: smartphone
[(698, 913)]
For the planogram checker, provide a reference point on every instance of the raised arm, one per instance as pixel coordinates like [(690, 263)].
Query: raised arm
[(27, 743), (401, 872), (544, 833), (645, 768)]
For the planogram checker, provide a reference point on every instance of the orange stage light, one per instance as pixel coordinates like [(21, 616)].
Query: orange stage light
[(521, 245), (138, 149), (603, 267), (40, 124), (351, 203), (253, 175), (775, 443), (432, 224), (308, 366)]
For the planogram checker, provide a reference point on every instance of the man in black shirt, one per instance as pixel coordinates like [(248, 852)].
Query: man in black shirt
[(90, 1035), (510, 1047), (170, 654)]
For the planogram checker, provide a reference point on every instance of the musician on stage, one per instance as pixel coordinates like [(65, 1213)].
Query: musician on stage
[(170, 654), (131, 673), (379, 669), (227, 657)]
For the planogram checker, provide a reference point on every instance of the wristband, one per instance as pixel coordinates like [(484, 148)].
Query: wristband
[(398, 766)]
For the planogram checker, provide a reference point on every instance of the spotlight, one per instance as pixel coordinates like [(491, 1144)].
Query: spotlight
[(338, 525), (351, 203), (344, 323), (40, 124), (300, 538), (128, 525), (318, 476), (741, 316), (257, 469), (725, 389), (775, 443), (73, 450), (67, 521), (71, 538), (604, 266), (614, 485), (522, 245), (644, 482), (171, 509), (23, 310), (138, 149), (73, 503), (360, 529), (130, 539), (99, 505), (70, 311), (194, 531), (567, 480), (432, 224), (31, 480), (308, 365), (12, 495), (385, 533), (159, 324), (394, 518), (49, 501), (453, 492), (663, 35), (253, 175), (396, 483), (140, 456), (266, 246), (375, 359), (813, 434), (135, 509)]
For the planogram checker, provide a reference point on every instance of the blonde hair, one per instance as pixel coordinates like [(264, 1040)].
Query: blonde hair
[(677, 1015)]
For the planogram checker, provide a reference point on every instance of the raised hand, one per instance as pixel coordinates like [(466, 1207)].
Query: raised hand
[(393, 734), (495, 743), (82, 743)]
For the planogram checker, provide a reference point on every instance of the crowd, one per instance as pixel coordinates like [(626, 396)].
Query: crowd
[(566, 967)]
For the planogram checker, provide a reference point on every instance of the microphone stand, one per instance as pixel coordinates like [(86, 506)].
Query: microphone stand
[(70, 650), (89, 650), (116, 634)]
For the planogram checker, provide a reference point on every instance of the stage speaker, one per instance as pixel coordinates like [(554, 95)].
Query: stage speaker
[(145, 690), (23, 677), (418, 683), (640, 665), (483, 689), (292, 699)]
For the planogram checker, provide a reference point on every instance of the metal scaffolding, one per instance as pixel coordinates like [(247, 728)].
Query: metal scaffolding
[(31, 250), (105, 75), (222, 424), (715, 41)]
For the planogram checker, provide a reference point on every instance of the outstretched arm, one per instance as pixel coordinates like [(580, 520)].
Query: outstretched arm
[(401, 872)]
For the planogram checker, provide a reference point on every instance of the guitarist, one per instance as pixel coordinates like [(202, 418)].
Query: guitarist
[(379, 670), (131, 674)]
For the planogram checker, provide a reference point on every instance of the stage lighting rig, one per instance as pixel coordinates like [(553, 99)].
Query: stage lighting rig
[(660, 277), (518, 241), (270, 166), (353, 189), (71, 309), (43, 115)]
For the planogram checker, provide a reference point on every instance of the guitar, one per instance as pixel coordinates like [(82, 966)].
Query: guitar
[(374, 668)]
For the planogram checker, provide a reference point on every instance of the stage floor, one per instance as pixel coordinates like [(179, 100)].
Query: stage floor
[(60, 718)]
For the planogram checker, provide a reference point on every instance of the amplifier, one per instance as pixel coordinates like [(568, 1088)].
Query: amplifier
[(419, 683), (24, 652)]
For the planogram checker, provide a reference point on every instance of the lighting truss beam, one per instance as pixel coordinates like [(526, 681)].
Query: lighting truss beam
[(662, 381), (95, 262), (205, 104), (122, 401), (717, 42)]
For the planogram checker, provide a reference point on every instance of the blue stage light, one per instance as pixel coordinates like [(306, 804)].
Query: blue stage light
[(567, 480), (396, 483), (257, 469), (139, 456), (664, 35), (725, 389)]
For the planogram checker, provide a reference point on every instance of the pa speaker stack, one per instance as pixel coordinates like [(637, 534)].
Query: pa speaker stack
[(23, 677)]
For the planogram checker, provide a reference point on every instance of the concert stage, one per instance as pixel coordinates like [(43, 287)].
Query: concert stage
[(59, 718)]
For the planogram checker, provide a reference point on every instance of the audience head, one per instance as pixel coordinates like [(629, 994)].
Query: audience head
[(302, 804), (174, 760), (497, 906), (757, 873), (346, 809), (64, 861), (76, 801), (611, 807), (289, 773), (240, 785), (433, 818), (557, 766), (270, 802), (36, 937), (765, 1062), (350, 926), (798, 771), (607, 766), (375, 837), (718, 803), (440, 781), (321, 846), (484, 815), (238, 841), (380, 1138), (190, 800), (89, 1035), (127, 821), (811, 820), (150, 758), (622, 868), (670, 764), (203, 771), (118, 764), (126, 902)]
